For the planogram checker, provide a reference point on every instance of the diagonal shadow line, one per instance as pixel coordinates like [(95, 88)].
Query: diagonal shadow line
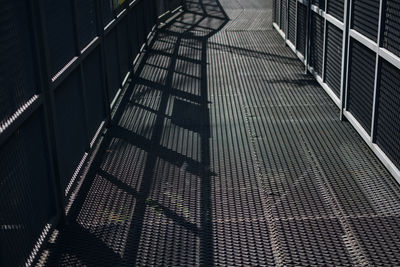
[(117, 182), (191, 76), (146, 108), (184, 58), (172, 91), (97, 161), (193, 25), (150, 202), (72, 231), (209, 16), (186, 34), (149, 169), (78, 241), (205, 232), (206, 237), (199, 27), (251, 53), (157, 150), (140, 95)]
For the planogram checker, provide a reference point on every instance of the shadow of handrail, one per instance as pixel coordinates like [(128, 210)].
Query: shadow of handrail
[(191, 29)]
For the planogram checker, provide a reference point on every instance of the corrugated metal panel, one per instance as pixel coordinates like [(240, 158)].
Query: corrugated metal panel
[(301, 28), (317, 42), (292, 21), (334, 37), (17, 81), (336, 8), (60, 33), (391, 36), (319, 3), (361, 83), (388, 116), (365, 17)]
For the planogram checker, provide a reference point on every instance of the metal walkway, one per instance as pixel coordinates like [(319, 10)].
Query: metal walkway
[(224, 153)]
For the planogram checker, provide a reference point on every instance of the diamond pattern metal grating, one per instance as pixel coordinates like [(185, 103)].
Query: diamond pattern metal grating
[(224, 153)]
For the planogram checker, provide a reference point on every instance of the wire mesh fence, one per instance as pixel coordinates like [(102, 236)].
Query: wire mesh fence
[(351, 48), (62, 65)]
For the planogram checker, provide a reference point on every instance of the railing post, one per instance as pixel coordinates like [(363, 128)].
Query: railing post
[(81, 75), (287, 21), (324, 41), (44, 71), (307, 41), (295, 25), (377, 72), (345, 57), (104, 80)]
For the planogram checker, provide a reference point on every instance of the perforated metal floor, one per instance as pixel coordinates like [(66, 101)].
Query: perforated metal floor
[(224, 153)]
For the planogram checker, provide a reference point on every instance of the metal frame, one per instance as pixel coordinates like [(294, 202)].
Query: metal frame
[(44, 99), (287, 22), (348, 34), (324, 45), (304, 58), (345, 57), (295, 30), (377, 71), (381, 53), (321, 78)]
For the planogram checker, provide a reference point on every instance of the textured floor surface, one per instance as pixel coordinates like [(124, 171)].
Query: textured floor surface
[(224, 153)]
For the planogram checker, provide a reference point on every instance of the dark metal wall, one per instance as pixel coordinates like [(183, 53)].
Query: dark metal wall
[(352, 48), (62, 65)]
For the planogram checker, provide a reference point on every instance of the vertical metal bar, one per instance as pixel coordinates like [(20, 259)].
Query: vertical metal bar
[(155, 12), (287, 21), (274, 11), (81, 74), (85, 108), (308, 35), (44, 68), (75, 27), (150, 13), (116, 29), (278, 13), (103, 68), (135, 37), (295, 23), (347, 16), (127, 31), (377, 72), (130, 42), (145, 24), (324, 44)]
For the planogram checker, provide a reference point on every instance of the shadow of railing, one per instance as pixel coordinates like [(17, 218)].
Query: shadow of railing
[(153, 167)]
